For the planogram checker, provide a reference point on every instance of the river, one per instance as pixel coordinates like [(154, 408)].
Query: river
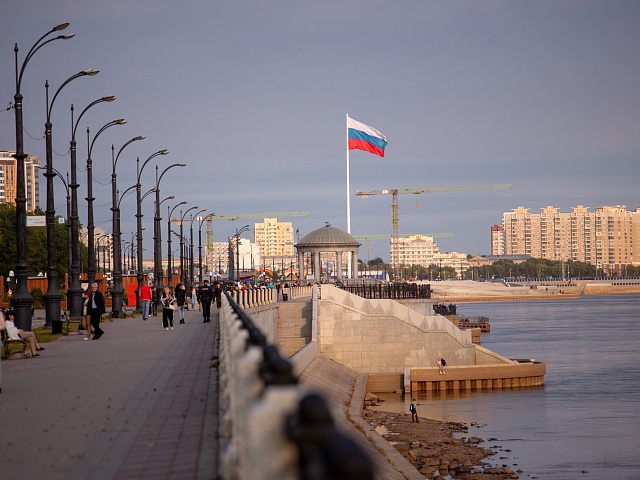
[(584, 423)]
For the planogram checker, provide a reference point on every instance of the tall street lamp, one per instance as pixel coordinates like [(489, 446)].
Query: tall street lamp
[(21, 300), (157, 231), (68, 222), (157, 254), (74, 293), (191, 266), (169, 252), (91, 269), (238, 233), (183, 277), (117, 292), (140, 274), (52, 296), (200, 246)]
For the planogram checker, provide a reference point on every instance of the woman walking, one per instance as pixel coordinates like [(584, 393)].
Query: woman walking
[(168, 302), (194, 298), (181, 300)]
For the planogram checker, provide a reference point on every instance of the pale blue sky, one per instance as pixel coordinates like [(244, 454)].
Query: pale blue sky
[(253, 96)]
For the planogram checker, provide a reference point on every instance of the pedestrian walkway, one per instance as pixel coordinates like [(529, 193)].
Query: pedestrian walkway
[(140, 402)]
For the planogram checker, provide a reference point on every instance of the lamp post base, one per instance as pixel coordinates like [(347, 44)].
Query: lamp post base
[(52, 312)]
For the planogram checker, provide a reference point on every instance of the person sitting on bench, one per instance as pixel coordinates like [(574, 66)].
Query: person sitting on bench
[(20, 335)]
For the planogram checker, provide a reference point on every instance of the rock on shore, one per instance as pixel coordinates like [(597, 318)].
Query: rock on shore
[(432, 449)]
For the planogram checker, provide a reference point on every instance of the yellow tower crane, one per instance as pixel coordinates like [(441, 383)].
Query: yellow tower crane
[(395, 214)]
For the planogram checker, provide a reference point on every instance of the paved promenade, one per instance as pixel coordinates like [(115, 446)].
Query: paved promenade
[(139, 403)]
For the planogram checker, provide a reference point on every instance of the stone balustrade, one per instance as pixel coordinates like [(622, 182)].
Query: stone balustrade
[(266, 296), (269, 426)]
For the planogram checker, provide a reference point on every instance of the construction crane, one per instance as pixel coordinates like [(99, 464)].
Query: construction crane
[(395, 215)]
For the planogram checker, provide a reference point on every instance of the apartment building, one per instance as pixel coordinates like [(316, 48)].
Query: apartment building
[(275, 238), (497, 240), (415, 250), (9, 175), (607, 237)]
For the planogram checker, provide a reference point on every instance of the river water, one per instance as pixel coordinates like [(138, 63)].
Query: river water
[(584, 423)]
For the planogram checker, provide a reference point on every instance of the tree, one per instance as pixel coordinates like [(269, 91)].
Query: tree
[(37, 254)]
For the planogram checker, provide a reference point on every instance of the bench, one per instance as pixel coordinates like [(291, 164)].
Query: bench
[(6, 341), (67, 322)]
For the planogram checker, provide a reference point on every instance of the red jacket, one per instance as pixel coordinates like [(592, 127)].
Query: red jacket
[(145, 292)]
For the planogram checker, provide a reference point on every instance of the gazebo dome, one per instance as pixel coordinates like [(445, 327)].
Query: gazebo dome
[(328, 236)]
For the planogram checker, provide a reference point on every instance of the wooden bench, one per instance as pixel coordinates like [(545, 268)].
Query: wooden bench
[(67, 322), (6, 341)]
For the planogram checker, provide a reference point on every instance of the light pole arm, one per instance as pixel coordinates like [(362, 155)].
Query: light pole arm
[(37, 46), (160, 152)]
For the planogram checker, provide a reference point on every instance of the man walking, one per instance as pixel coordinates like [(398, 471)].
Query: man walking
[(206, 297), (95, 309), (145, 300), (217, 294)]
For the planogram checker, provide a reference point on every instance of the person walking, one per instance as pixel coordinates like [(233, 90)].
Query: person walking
[(86, 318), (154, 300), (194, 298), (95, 309), (181, 300), (168, 302), (217, 294), (145, 300), (206, 297)]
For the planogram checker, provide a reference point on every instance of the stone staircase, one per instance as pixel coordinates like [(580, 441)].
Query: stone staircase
[(294, 325)]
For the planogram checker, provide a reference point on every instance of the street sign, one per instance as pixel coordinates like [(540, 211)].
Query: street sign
[(36, 221)]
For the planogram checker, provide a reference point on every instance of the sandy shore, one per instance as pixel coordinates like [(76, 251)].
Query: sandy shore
[(433, 448)]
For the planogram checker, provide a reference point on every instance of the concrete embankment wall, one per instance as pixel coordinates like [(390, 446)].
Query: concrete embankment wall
[(382, 337)]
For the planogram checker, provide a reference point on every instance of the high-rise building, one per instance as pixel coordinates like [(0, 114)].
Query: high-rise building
[(416, 250), (497, 240), (8, 179), (608, 237), (275, 238)]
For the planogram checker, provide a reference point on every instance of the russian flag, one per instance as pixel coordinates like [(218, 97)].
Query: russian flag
[(364, 137)]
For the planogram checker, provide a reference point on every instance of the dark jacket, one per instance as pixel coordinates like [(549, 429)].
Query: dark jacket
[(206, 293), (99, 300), (181, 296)]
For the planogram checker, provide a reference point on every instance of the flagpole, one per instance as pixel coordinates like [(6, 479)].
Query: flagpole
[(348, 202)]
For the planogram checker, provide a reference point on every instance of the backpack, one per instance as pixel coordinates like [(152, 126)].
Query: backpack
[(412, 408), (444, 362)]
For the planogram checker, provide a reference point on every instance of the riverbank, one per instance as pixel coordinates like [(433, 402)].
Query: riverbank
[(456, 291), (432, 448)]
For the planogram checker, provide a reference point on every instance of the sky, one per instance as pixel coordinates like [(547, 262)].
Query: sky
[(253, 97)]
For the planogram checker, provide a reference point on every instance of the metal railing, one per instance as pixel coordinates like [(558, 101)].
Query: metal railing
[(393, 291), (269, 426)]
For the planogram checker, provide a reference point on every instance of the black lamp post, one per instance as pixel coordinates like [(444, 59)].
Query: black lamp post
[(169, 251), (200, 247), (68, 222), (140, 261), (52, 296), (183, 277), (21, 300), (238, 233), (191, 266), (157, 231), (91, 269), (117, 292), (74, 293), (140, 274), (157, 254)]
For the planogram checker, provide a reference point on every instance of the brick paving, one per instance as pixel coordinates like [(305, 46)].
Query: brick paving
[(140, 403)]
